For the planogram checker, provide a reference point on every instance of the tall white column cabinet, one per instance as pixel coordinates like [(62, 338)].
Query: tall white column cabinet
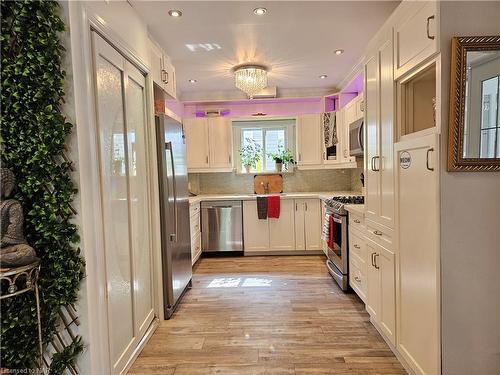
[(418, 267), (402, 185)]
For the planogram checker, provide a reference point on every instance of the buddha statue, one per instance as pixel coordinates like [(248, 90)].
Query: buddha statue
[(14, 250)]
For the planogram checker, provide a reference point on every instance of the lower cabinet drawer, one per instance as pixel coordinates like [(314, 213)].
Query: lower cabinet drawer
[(357, 279), (357, 245)]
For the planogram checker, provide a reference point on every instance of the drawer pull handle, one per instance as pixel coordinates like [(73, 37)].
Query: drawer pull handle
[(377, 233), (357, 279), (357, 246), (427, 159), (375, 261), (357, 221), (432, 37)]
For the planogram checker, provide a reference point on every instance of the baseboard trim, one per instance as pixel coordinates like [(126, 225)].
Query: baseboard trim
[(145, 339), (400, 358), (285, 252)]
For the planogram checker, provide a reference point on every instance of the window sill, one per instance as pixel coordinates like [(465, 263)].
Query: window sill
[(243, 173)]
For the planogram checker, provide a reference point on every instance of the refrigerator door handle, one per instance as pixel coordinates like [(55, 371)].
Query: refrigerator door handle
[(173, 236)]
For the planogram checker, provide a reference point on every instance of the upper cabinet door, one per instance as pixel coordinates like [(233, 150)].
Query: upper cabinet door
[(156, 57), (219, 135), (168, 76), (386, 134), (309, 140), (372, 182), (196, 132), (416, 36)]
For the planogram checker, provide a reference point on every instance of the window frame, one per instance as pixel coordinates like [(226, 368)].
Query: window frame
[(289, 124)]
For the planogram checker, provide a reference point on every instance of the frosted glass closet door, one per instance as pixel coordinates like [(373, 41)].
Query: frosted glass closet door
[(121, 127), (139, 213), (109, 68)]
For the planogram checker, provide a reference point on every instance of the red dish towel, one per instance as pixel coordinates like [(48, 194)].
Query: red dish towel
[(273, 206), (331, 232)]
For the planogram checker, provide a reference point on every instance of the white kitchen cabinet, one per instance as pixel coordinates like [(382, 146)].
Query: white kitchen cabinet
[(281, 230), (381, 288), (309, 140), (415, 35), (194, 220), (209, 144), (255, 231), (308, 224), (379, 159), (354, 110), (197, 145), (417, 181), (358, 262), (220, 142), (162, 70)]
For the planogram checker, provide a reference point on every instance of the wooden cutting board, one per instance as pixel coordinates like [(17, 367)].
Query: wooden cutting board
[(273, 181)]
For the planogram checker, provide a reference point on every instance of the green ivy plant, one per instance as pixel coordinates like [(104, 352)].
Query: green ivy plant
[(33, 135)]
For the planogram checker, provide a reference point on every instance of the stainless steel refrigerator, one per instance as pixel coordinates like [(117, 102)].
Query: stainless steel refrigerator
[(174, 209)]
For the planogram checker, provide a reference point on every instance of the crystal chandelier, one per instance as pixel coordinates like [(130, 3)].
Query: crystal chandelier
[(250, 78)]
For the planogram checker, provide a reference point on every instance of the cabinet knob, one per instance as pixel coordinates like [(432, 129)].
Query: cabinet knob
[(376, 232), (357, 246), (357, 279), (357, 221)]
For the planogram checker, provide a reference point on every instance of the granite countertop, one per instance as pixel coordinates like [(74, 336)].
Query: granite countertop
[(356, 208), (291, 195)]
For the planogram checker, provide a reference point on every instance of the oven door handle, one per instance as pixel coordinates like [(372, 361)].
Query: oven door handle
[(333, 269)]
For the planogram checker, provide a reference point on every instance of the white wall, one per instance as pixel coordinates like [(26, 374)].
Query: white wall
[(470, 227)]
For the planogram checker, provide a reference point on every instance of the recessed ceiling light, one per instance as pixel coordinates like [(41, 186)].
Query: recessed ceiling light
[(175, 13), (339, 51), (193, 81), (323, 76), (260, 11)]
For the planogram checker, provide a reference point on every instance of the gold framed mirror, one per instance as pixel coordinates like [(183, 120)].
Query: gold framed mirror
[(474, 123)]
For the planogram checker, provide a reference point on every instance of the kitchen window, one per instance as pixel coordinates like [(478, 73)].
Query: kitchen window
[(268, 135)]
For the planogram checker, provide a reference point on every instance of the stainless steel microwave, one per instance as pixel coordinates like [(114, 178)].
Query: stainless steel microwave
[(356, 138)]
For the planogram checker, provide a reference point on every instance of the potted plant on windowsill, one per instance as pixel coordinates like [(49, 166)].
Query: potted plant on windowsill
[(283, 158), (250, 154)]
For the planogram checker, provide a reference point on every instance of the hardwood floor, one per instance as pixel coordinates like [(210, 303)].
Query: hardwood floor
[(266, 315)]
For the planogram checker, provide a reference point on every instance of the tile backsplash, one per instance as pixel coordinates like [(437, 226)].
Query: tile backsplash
[(298, 181)]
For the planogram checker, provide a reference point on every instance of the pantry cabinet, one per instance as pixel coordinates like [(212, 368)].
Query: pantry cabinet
[(418, 293), (162, 70), (415, 35), (309, 140), (379, 135), (209, 144)]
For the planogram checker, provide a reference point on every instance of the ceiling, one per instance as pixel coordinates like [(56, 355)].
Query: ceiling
[(295, 39)]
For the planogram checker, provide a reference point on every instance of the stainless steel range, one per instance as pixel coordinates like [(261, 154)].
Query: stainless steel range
[(338, 248)]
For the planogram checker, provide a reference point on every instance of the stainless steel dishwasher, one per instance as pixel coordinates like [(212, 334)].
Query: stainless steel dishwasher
[(221, 226)]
